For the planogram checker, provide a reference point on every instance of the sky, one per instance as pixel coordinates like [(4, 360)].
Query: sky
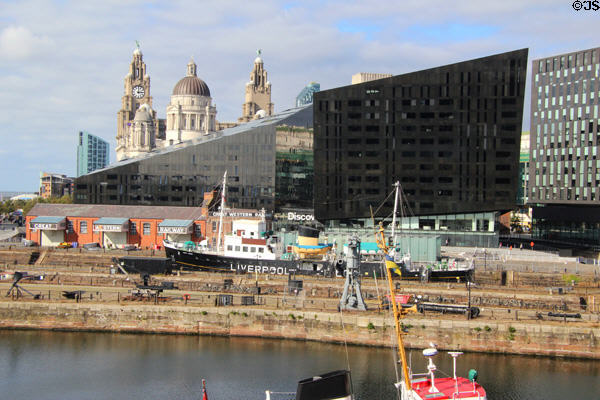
[(63, 63)]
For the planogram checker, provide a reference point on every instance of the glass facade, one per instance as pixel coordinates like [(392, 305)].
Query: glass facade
[(179, 175), (92, 153), (465, 230), (583, 233), (306, 95), (294, 167), (567, 224)]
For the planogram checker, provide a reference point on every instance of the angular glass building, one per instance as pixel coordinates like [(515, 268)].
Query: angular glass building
[(266, 160), (450, 135), (92, 153), (306, 95), (565, 139)]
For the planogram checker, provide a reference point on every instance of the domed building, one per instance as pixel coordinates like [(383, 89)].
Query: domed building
[(141, 135), (190, 114)]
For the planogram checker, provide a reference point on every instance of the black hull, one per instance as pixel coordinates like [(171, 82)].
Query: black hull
[(462, 275), (145, 265), (197, 261)]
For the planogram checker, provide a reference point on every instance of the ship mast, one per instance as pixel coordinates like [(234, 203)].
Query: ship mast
[(222, 211), (397, 312), (396, 185)]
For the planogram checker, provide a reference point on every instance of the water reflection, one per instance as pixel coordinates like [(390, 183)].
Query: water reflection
[(56, 365)]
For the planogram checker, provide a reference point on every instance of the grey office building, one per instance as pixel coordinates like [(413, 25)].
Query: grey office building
[(565, 136), (268, 163)]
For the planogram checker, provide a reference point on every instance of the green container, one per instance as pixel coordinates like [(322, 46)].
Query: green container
[(473, 375)]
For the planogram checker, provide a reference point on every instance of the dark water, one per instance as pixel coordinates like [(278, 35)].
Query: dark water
[(54, 365)]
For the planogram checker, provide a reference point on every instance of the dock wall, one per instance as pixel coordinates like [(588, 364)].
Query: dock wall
[(543, 338)]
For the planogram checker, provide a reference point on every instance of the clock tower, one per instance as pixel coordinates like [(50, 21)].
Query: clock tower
[(137, 92)]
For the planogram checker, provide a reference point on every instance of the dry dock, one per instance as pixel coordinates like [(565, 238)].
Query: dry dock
[(515, 301)]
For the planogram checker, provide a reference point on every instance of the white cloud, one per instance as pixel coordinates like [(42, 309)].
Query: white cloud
[(62, 63), (19, 43)]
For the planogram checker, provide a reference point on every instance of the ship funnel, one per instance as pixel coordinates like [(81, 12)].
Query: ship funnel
[(332, 385)]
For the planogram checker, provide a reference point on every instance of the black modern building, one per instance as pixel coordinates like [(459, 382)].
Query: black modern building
[(450, 135), (268, 161)]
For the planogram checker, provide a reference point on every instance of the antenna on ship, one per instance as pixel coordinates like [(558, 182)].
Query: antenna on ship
[(222, 211)]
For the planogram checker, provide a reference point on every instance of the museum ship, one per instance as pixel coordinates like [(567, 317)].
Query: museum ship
[(250, 249)]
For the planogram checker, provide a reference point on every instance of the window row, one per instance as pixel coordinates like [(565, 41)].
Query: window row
[(570, 61)]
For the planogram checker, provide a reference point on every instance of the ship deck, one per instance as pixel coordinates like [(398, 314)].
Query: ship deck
[(448, 388)]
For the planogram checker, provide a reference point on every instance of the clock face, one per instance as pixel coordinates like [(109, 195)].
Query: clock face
[(138, 92)]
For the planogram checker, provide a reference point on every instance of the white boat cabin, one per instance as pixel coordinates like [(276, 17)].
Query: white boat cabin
[(248, 240)]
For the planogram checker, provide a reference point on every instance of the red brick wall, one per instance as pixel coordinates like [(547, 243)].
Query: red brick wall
[(83, 238), (139, 239), (29, 235), (202, 231)]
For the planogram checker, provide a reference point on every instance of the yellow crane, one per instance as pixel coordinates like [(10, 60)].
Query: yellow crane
[(390, 265)]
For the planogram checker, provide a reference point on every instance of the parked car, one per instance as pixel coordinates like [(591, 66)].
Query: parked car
[(64, 245)]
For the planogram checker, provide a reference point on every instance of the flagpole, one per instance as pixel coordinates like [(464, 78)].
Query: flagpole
[(222, 211)]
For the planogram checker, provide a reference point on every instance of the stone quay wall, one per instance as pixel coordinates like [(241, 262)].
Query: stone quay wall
[(537, 338)]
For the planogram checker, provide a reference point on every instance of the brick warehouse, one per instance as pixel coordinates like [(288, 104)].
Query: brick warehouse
[(116, 226)]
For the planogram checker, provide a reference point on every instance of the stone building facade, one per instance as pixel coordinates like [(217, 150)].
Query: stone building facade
[(258, 93), (190, 114), (142, 133), (136, 93)]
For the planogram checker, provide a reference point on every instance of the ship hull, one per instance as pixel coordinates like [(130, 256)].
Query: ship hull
[(194, 260), (199, 261), (369, 268)]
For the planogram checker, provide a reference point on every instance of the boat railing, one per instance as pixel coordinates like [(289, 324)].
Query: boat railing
[(456, 395)]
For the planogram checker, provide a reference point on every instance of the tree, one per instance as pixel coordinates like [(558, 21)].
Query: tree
[(9, 206), (515, 224), (29, 205)]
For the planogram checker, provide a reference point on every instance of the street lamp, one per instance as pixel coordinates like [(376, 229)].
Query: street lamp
[(485, 259), (469, 284)]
